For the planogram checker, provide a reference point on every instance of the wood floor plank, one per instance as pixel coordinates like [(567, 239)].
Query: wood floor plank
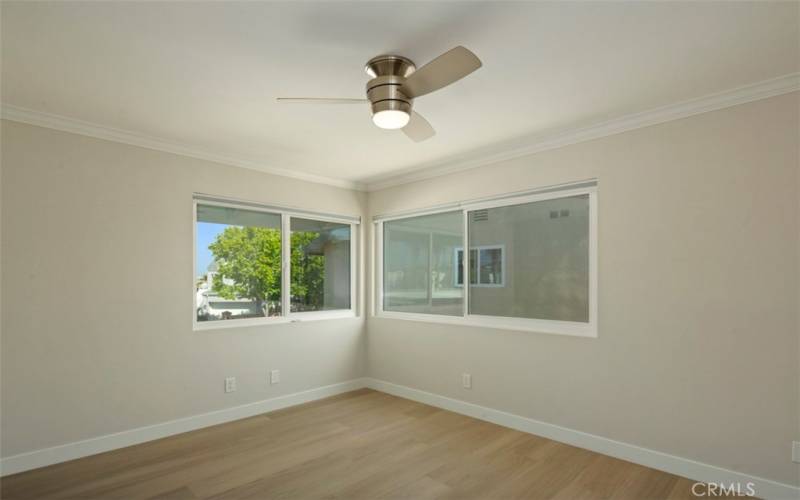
[(183, 493), (363, 444)]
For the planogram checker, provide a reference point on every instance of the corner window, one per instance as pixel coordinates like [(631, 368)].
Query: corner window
[(258, 265), (531, 263)]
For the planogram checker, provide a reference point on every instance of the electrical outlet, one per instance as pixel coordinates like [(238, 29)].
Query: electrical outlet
[(230, 384), (466, 380), (796, 451), (274, 376)]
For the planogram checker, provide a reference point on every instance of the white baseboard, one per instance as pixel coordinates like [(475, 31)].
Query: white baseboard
[(71, 451), (764, 488)]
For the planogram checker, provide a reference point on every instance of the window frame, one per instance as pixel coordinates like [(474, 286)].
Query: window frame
[(572, 328), (286, 214)]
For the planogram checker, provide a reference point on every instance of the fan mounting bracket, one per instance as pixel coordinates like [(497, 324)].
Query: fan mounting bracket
[(389, 65)]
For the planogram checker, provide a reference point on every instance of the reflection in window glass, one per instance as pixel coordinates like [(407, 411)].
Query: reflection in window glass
[(320, 265), (546, 246), (489, 260), (238, 260), (419, 272), (491, 266), (473, 266)]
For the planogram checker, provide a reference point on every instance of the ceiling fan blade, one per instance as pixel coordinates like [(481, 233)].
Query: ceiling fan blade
[(319, 100), (418, 128), (449, 67)]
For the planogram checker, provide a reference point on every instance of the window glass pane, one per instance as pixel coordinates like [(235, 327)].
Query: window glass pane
[(320, 265), (421, 264), (546, 273), (238, 263)]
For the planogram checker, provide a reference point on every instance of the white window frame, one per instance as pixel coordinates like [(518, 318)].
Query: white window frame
[(579, 329), (286, 214), (478, 284)]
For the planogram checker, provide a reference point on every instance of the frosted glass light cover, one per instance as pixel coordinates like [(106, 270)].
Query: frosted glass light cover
[(390, 119)]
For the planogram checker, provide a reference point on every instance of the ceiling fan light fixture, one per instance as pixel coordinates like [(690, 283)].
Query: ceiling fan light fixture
[(395, 84), (391, 119)]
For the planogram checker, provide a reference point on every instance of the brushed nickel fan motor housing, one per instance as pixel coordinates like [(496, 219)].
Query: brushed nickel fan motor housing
[(388, 74), (389, 65)]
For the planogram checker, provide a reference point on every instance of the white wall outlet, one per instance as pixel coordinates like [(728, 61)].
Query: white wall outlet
[(466, 380), (230, 384), (274, 376), (796, 451)]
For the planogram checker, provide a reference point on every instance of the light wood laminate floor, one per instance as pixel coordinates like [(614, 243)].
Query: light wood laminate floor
[(363, 444)]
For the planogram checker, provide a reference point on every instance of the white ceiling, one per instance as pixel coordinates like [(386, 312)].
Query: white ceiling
[(207, 74)]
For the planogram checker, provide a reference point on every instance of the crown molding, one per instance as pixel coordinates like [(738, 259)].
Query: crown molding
[(456, 163), (72, 125), (542, 142)]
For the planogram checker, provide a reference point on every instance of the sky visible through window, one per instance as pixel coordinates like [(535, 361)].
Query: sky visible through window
[(206, 234)]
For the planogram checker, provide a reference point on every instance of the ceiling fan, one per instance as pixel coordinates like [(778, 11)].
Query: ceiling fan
[(396, 82)]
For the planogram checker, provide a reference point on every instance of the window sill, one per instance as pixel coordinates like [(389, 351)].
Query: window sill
[(500, 323), (279, 320), (321, 315)]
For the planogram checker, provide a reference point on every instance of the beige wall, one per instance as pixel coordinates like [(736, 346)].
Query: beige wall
[(97, 293), (697, 354), (699, 272)]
